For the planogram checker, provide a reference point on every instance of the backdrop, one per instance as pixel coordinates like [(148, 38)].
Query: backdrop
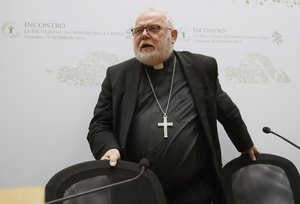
[(54, 54)]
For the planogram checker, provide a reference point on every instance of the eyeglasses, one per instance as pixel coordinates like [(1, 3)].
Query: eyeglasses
[(151, 29)]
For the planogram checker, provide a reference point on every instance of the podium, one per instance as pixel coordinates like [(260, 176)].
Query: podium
[(26, 195)]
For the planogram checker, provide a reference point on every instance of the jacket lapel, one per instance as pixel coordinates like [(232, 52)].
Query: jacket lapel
[(133, 78), (194, 82), (197, 89)]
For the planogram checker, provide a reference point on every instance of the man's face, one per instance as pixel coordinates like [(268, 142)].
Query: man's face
[(154, 46)]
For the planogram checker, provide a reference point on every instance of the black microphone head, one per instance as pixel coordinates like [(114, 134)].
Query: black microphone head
[(144, 163), (266, 130)]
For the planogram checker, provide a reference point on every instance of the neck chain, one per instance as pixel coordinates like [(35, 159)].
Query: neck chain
[(165, 122)]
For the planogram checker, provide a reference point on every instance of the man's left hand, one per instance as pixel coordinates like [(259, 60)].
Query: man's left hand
[(251, 153)]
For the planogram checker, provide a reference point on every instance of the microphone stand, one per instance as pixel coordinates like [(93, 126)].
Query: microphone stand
[(268, 130)]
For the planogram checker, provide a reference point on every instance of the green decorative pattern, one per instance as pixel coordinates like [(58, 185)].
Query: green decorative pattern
[(90, 71), (255, 69), (288, 3)]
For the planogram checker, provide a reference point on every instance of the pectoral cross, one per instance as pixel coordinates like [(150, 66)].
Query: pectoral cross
[(165, 124)]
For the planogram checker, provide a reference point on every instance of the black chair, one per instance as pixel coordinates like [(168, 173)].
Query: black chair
[(270, 179), (96, 174)]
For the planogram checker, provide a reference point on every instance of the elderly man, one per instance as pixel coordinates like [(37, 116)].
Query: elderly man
[(164, 105)]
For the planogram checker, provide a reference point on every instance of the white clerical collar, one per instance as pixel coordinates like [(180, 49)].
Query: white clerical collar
[(166, 63), (159, 66)]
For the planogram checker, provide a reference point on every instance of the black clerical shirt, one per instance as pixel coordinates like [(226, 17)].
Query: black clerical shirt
[(182, 156)]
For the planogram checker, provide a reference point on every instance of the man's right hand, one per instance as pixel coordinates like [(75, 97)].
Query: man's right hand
[(112, 155)]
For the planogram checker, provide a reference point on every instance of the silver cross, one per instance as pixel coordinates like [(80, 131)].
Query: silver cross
[(165, 124)]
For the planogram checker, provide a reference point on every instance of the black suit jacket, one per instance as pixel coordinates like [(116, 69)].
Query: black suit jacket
[(114, 111)]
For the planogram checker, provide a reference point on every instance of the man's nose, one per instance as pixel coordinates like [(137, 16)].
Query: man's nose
[(145, 34)]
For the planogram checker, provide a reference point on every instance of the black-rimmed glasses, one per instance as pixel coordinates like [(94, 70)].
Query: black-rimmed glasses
[(151, 29)]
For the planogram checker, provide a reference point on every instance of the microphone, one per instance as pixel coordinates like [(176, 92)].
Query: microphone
[(144, 165), (268, 130)]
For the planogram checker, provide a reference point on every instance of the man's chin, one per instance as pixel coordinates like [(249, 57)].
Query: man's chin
[(146, 58)]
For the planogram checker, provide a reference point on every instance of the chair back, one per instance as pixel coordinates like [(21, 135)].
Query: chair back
[(95, 174), (270, 179)]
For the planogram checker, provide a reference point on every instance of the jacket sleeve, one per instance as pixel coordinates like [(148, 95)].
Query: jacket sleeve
[(229, 116), (100, 136)]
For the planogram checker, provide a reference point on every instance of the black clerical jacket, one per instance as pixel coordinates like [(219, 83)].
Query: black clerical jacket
[(115, 108)]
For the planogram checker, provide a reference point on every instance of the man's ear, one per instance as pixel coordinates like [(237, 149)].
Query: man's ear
[(174, 34)]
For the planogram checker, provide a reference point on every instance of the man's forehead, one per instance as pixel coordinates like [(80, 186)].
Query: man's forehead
[(147, 18)]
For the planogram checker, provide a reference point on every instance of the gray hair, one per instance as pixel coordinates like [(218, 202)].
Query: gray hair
[(168, 19)]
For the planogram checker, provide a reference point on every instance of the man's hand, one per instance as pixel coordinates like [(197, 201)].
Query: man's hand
[(112, 155), (251, 153)]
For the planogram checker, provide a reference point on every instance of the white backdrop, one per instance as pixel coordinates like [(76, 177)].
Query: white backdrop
[(54, 54)]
